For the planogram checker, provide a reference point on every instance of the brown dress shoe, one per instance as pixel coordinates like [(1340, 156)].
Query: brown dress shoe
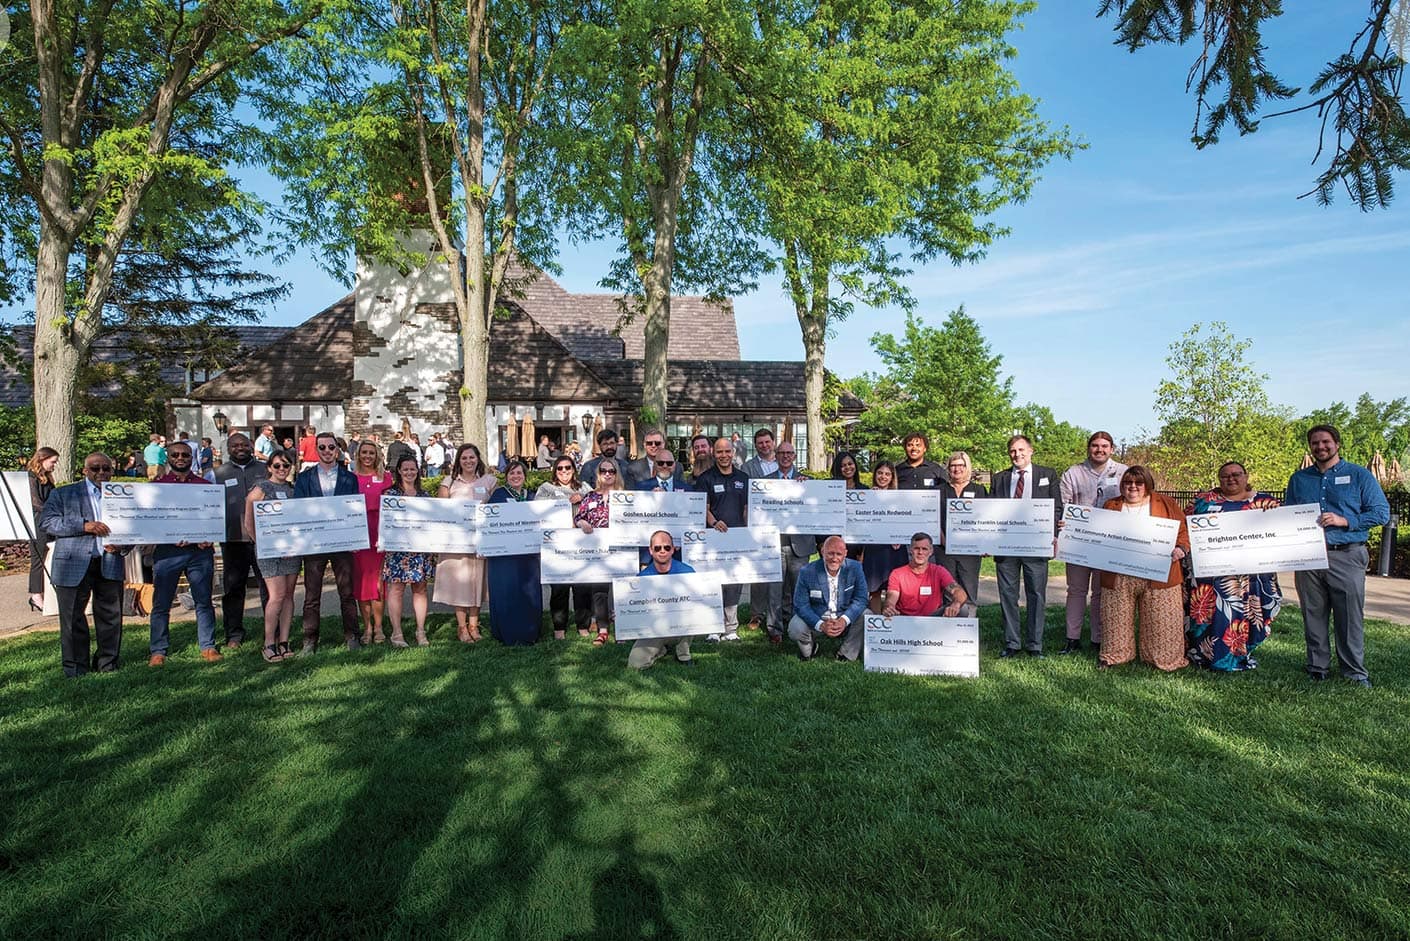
[(211, 655), (156, 660)]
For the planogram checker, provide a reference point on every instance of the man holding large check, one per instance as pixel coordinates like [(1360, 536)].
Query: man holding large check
[(666, 596), (329, 478), (1023, 542), (195, 559)]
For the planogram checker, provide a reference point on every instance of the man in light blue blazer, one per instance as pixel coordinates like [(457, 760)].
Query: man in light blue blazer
[(85, 567), (830, 599)]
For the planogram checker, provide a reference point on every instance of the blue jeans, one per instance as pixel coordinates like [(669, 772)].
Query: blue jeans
[(167, 566)]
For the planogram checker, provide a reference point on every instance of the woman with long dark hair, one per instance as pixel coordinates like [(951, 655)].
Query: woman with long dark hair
[(41, 484), (460, 577), (403, 570)]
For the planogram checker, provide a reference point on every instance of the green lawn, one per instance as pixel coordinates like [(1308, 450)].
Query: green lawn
[(549, 793)]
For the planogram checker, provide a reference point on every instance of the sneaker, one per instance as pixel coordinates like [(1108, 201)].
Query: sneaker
[(231, 646), (156, 660), (310, 648), (732, 635), (211, 655)]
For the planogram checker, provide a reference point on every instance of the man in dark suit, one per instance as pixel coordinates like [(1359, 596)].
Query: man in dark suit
[(83, 568), (645, 469), (328, 478), (830, 599), (237, 554), (796, 548), (1024, 481)]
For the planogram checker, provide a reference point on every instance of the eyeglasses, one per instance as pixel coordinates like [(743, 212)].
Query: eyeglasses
[(1134, 483), (663, 548), (787, 453), (564, 467), (654, 444), (665, 463)]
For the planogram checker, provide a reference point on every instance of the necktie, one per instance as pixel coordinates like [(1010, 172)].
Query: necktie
[(1018, 488)]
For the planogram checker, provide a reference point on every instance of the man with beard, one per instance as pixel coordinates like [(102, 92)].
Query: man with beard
[(237, 554)]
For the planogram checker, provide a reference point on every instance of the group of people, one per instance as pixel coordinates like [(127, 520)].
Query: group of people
[(1217, 623)]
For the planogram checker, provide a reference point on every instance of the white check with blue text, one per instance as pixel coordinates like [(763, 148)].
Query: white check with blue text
[(1285, 539)]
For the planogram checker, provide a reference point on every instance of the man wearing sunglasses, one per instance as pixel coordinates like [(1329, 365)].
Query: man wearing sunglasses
[(328, 478), (648, 650), (172, 560), (646, 469), (237, 554), (85, 567)]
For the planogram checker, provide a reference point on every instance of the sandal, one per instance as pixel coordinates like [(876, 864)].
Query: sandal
[(284, 651), (584, 632), (399, 641), (272, 654), (462, 634), (601, 637), (474, 635)]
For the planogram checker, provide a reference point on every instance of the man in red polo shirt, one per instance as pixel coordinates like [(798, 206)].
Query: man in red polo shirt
[(918, 588), (308, 448)]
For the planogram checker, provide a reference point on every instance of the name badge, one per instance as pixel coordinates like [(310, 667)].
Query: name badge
[(1043, 482), (814, 594), (929, 481), (480, 490), (719, 488), (967, 493), (1342, 480), (232, 482), (925, 590)]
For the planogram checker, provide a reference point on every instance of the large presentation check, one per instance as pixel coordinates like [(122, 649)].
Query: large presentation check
[(1112, 541), (922, 646), (1248, 542), (152, 514), (999, 527), (635, 515), (799, 506), (743, 555), (420, 524), (572, 557), (310, 526), (667, 605), (517, 528), (892, 517)]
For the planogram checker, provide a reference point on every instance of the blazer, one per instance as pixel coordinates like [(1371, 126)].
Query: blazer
[(1042, 485), (851, 590), (1165, 508), (642, 471), (649, 484), (63, 516), (306, 484)]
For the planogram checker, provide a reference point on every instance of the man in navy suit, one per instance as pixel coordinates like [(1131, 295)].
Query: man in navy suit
[(1024, 481), (84, 567), (328, 478), (830, 599), (796, 548)]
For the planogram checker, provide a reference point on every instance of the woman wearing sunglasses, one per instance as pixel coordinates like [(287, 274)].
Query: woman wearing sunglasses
[(280, 574), (592, 514), (565, 485)]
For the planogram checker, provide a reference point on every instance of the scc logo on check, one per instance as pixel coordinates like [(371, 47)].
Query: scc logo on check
[(395, 503), (694, 536), (1074, 512), (269, 507), (118, 490), (854, 496), (957, 504), (1204, 522)]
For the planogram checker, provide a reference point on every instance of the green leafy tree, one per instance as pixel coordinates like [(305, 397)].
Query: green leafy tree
[(1367, 429), (873, 125), (1214, 409), (1056, 443), (1356, 95), (945, 382), (93, 93)]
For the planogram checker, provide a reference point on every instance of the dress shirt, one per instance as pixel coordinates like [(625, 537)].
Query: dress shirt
[(328, 482), (1347, 490), (95, 497)]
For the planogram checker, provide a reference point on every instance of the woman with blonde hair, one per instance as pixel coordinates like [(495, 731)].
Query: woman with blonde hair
[(367, 563), (961, 485)]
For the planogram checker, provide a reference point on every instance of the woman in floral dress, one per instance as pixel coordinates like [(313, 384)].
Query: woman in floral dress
[(403, 570), (1233, 614)]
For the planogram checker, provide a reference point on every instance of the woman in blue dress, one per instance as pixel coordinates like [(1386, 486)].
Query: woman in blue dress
[(403, 570), (1233, 614), (516, 600)]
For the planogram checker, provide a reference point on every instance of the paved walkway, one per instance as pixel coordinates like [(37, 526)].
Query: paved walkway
[(1387, 599)]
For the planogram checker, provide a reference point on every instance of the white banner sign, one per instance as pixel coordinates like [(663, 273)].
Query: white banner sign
[(892, 517), (635, 514), (999, 527), (16, 515), (573, 557), (517, 528), (1112, 541), (1249, 542), (154, 514), (814, 507), (425, 524), (922, 646), (667, 605), (743, 555), (310, 526)]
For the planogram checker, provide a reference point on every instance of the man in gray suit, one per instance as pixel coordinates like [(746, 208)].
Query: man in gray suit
[(762, 598), (797, 549), (85, 567)]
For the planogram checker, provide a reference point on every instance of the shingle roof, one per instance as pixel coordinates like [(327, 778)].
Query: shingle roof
[(703, 385), (584, 323), (314, 364)]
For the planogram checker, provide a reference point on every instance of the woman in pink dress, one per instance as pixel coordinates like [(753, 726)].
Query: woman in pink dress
[(460, 579), (367, 563)]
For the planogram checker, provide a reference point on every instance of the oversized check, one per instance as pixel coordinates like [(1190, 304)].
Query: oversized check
[(999, 527), (799, 506), (423, 524), (517, 528), (634, 515), (1112, 541), (743, 555), (310, 526), (667, 605), (152, 514), (922, 646), (571, 557), (892, 517), (1247, 542)]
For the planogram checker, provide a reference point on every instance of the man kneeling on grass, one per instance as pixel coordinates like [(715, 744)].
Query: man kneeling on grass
[(648, 650), (830, 599)]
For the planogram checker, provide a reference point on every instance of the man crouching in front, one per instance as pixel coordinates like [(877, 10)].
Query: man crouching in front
[(829, 599), (648, 650)]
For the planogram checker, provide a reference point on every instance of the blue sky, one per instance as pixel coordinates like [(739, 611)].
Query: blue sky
[(1136, 238)]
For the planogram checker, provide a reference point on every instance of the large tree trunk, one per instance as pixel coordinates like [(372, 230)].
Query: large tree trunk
[(56, 357), (656, 294), (814, 351)]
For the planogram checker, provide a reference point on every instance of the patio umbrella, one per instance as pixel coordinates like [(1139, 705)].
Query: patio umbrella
[(699, 428), (1378, 467), (596, 427), (511, 433), (788, 429), (1395, 472), (631, 439), (1306, 459), (528, 443)]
